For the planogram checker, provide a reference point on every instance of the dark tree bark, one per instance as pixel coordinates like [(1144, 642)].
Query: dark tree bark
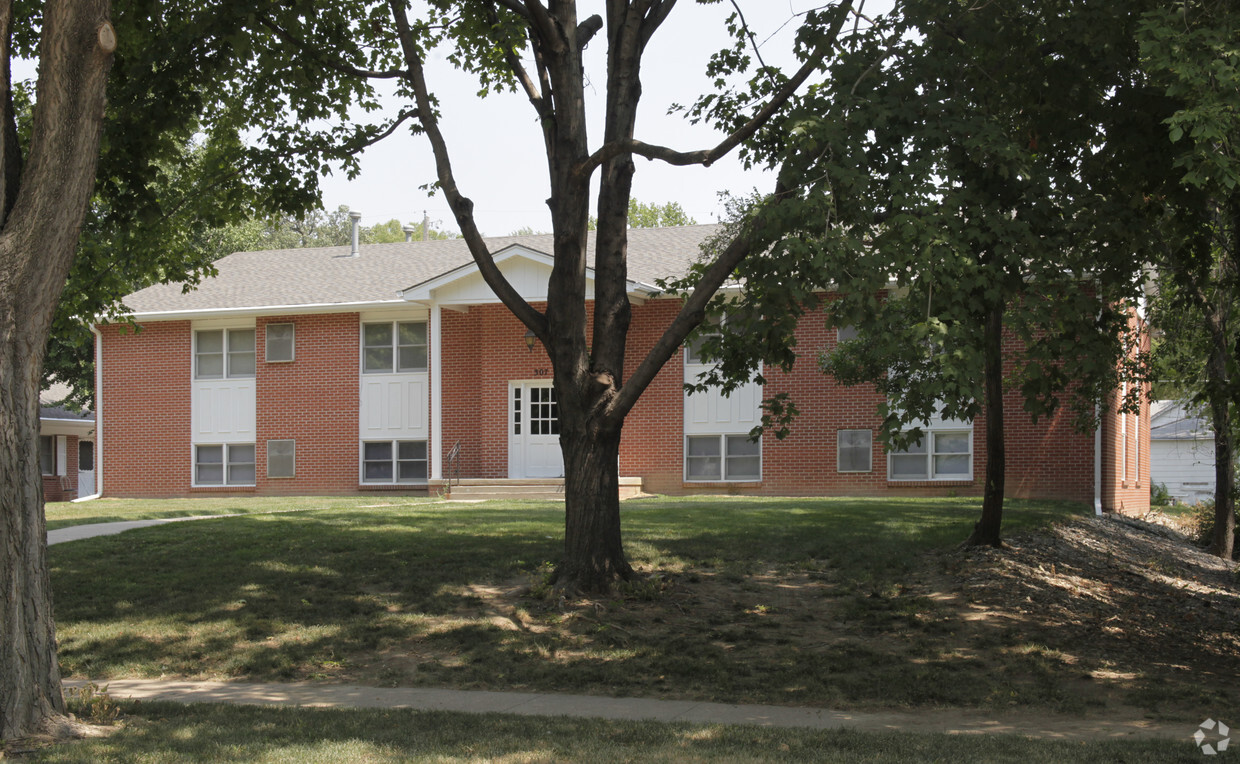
[(1220, 318), (593, 396), (43, 206), (986, 530)]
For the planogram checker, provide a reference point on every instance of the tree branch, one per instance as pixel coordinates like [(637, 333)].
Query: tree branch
[(462, 207), (707, 157), (545, 26), (655, 16), (316, 53), (518, 70), (587, 29)]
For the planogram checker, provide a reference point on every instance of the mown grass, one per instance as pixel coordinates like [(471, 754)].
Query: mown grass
[(161, 732), (795, 601), (63, 514)]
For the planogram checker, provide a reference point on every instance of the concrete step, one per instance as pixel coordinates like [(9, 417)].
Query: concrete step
[(551, 489)]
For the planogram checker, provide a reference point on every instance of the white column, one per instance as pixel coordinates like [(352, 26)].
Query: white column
[(436, 394)]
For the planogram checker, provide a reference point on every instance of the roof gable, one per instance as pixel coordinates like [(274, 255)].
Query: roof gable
[(528, 271)]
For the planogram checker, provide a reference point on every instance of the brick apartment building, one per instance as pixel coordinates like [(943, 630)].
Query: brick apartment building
[(394, 367)]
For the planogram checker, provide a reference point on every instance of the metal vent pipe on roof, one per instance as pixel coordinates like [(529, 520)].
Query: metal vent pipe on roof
[(354, 218), (408, 229)]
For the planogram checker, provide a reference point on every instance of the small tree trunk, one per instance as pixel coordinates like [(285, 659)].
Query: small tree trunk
[(1222, 543), (593, 553), (986, 530)]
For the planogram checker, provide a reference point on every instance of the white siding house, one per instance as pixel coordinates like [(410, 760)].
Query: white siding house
[(1181, 452)]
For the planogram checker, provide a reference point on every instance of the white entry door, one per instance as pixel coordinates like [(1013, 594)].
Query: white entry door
[(534, 431), (86, 468)]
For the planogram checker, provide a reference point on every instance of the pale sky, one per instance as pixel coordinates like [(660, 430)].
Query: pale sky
[(496, 146), (497, 150)]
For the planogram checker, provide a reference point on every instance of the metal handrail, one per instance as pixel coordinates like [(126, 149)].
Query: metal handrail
[(454, 464)]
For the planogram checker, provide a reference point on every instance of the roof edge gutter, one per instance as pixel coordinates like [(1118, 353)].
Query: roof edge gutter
[(260, 310)]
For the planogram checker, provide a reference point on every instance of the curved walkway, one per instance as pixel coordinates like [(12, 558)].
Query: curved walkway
[(314, 695)]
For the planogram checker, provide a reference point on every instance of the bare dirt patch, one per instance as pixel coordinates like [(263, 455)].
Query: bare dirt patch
[(1091, 617)]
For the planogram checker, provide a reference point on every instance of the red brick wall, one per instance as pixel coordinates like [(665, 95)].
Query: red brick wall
[(652, 445), (483, 350), (144, 410), (312, 400)]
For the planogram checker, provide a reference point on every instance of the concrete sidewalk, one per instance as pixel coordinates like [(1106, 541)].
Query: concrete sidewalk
[(315, 695), (79, 532)]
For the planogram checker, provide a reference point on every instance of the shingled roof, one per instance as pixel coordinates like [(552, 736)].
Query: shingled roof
[(324, 276)]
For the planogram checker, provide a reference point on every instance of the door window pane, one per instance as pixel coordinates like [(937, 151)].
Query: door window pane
[(86, 456)]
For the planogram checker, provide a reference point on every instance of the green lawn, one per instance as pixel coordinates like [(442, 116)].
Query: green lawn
[(63, 514), (159, 732), (813, 602)]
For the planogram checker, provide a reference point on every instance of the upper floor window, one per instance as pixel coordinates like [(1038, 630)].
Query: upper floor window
[(221, 353), (280, 343), (394, 346)]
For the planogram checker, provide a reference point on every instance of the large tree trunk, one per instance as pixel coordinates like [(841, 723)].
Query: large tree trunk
[(593, 554), (29, 677), (39, 223), (986, 530)]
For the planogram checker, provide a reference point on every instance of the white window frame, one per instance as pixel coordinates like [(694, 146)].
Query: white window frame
[(272, 441), (292, 349), (227, 352), (724, 457), (395, 346), (393, 461), (929, 438), (839, 452), (226, 454)]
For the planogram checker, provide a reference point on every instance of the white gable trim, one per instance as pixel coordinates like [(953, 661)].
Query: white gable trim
[(425, 292)]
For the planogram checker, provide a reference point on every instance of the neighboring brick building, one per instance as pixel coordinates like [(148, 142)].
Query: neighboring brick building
[(327, 371), (66, 447)]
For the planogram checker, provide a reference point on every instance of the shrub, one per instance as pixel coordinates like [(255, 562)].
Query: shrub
[(92, 703), (1201, 526), (1160, 496)]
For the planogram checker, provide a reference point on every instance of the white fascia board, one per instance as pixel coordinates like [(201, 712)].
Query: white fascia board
[(261, 310), (79, 427)]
